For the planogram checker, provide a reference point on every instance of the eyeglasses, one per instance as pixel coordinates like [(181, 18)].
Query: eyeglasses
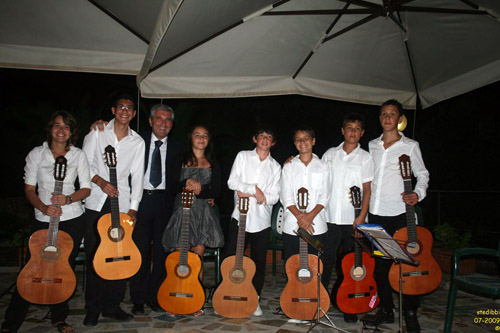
[(125, 107)]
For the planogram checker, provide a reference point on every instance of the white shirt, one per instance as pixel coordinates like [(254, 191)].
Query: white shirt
[(163, 154), (346, 170), (315, 177), (247, 172), (129, 161), (387, 184), (39, 170)]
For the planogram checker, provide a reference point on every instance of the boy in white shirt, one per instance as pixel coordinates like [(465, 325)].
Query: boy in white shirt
[(350, 165)]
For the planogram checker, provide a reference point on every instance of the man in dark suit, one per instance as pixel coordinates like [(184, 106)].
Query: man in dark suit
[(155, 208)]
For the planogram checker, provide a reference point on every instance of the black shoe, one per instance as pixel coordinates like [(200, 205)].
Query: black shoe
[(384, 316), (119, 315), (91, 319), (154, 305), (412, 325), (138, 309), (350, 317)]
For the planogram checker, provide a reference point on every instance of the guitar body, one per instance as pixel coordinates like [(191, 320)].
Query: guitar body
[(47, 278), (423, 278), (117, 256), (182, 292), (236, 296), (299, 298), (357, 292)]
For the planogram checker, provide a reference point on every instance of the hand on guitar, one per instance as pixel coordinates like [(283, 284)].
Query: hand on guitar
[(193, 185), (260, 196), (133, 216), (105, 186), (305, 221), (359, 220), (410, 199), (59, 199)]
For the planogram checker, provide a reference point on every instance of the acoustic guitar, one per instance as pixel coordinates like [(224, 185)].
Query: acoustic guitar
[(358, 291), (299, 299), (48, 278), (117, 256), (236, 296), (427, 276), (182, 292)]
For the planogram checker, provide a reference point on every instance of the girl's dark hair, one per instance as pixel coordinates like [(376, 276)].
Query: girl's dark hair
[(189, 158), (69, 120)]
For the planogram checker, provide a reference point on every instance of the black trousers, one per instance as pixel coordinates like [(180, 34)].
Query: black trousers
[(382, 266), (258, 250), (100, 295), (151, 221), (18, 307), (337, 234)]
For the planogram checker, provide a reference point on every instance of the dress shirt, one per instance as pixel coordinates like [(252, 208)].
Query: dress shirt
[(346, 171), (315, 177), (247, 172), (39, 169), (387, 184), (129, 161), (163, 154)]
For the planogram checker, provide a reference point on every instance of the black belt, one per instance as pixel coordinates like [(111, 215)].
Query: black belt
[(151, 192)]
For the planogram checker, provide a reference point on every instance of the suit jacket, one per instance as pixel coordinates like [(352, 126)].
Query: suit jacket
[(173, 149)]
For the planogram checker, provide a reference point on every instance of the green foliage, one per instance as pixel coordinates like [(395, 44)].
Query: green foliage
[(451, 238)]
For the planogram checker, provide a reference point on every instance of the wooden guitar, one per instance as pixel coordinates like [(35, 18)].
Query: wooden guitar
[(48, 278), (418, 242), (358, 291), (236, 296), (117, 256), (299, 299), (182, 292)]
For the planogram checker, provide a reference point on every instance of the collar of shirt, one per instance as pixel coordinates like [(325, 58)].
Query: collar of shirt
[(111, 127), (403, 139), (353, 152), (154, 139)]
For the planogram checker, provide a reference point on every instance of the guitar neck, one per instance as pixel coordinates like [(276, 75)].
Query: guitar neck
[(115, 208), (358, 258), (410, 214), (54, 220), (303, 253), (240, 245), (184, 241)]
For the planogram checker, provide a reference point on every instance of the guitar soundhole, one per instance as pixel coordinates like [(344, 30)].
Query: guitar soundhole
[(237, 275), (116, 234), (50, 253), (413, 248), (304, 275), (182, 271), (358, 273)]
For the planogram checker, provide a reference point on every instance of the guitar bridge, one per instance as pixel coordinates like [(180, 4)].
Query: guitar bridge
[(358, 295), (122, 258), (182, 295), (235, 298), (416, 273), (304, 300), (46, 280)]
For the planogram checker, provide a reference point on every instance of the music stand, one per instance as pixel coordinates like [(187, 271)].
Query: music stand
[(391, 250), (318, 246)]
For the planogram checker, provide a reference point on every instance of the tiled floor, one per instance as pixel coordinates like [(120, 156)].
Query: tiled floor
[(431, 313)]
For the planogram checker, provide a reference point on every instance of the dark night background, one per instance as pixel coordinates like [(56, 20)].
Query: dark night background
[(459, 138)]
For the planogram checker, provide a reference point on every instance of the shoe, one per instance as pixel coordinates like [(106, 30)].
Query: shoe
[(119, 315), (91, 319), (350, 317), (257, 312), (412, 325), (154, 305), (384, 316), (138, 309)]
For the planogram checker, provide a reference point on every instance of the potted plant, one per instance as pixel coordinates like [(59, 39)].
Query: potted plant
[(448, 240)]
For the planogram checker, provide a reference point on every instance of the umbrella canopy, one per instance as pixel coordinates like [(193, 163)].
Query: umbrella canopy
[(356, 51), (362, 51)]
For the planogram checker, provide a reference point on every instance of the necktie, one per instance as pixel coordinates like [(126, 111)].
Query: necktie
[(155, 173)]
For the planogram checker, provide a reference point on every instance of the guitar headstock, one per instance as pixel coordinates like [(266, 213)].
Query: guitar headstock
[(405, 167), (302, 198), (60, 168), (187, 198), (355, 196), (110, 156), (243, 203)]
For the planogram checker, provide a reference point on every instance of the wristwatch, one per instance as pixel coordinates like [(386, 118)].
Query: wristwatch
[(70, 199)]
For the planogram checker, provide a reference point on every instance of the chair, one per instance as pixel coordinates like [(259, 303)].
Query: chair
[(215, 253), (275, 242), (484, 285)]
